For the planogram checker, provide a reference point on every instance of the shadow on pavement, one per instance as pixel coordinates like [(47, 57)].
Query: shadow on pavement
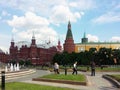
[(108, 88)]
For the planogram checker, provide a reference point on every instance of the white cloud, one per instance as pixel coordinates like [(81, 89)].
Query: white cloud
[(30, 19), (43, 5), (4, 49), (3, 15), (108, 18), (62, 14), (73, 4), (4, 46), (115, 39), (14, 30), (70, 10), (92, 38), (83, 4), (24, 26)]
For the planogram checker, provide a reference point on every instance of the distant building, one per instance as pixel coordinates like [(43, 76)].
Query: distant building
[(37, 54), (4, 57), (70, 46), (85, 45), (40, 54)]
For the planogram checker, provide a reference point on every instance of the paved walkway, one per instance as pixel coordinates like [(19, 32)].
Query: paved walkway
[(95, 82)]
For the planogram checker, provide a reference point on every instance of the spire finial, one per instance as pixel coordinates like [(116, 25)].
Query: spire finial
[(12, 40), (69, 25), (84, 35), (33, 37), (69, 22)]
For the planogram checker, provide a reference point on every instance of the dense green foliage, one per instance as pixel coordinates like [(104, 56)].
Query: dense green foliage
[(27, 86), (105, 56), (79, 77)]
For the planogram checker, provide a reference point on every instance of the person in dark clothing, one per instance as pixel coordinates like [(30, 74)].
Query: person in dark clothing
[(93, 69), (75, 68)]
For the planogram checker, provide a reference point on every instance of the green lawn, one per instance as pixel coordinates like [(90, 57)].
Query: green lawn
[(26, 86), (79, 77), (117, 77), (108, 69)]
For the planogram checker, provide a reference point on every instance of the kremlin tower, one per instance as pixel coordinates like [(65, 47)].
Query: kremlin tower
[(59, 47), (69, 45)]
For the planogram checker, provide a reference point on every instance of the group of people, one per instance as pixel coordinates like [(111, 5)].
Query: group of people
[(56, 68)]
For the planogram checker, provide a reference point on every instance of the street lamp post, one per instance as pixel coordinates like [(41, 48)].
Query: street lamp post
[(65, 70)]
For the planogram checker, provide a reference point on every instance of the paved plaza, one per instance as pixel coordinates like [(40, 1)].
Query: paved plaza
[(94, 82)]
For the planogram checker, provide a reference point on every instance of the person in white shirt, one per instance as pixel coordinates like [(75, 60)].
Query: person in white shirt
[(56, 68), (75, 68)]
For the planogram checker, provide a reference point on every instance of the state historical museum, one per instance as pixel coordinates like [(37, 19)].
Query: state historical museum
[(33, 52)]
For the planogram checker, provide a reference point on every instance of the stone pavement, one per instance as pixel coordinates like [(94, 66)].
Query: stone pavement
[(95, 82)]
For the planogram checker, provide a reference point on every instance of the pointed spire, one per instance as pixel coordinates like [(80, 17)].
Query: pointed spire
[(69, 25), (33, 40), (59, 47), (84, 39), (33, 37), (69, 32), (84, 35), (12, 40)]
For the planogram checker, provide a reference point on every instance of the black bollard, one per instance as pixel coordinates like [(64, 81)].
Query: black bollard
[(65, 70), (3, 80)]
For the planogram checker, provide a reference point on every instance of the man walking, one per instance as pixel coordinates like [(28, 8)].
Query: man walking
[(75, 68), (93, 68)]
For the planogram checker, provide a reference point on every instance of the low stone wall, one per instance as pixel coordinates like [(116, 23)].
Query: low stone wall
[(115, 82), (60, 81), (17, 74)]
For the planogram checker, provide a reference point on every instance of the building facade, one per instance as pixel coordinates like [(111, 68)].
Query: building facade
[(36, 54), (85, 45), (4, 57), (70, 46)]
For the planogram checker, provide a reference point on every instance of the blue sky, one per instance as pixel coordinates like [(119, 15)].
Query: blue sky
[(48, 19)]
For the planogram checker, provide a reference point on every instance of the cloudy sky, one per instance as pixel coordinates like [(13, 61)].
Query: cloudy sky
[(48, 19)]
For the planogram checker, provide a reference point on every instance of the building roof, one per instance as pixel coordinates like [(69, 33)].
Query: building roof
[(28, 44), (99, 43)]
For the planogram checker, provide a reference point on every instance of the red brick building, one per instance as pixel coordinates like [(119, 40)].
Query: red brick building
[(36, 54), (69, 45), (4, 57)]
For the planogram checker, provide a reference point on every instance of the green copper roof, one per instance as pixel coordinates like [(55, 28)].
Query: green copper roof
[(69, 32)]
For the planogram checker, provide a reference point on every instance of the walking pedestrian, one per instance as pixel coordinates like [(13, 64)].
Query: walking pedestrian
[(56, 68), (75, 68), (93, 68)]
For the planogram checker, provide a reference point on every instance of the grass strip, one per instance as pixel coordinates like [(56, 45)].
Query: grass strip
[(27, 86), (79, 77)]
